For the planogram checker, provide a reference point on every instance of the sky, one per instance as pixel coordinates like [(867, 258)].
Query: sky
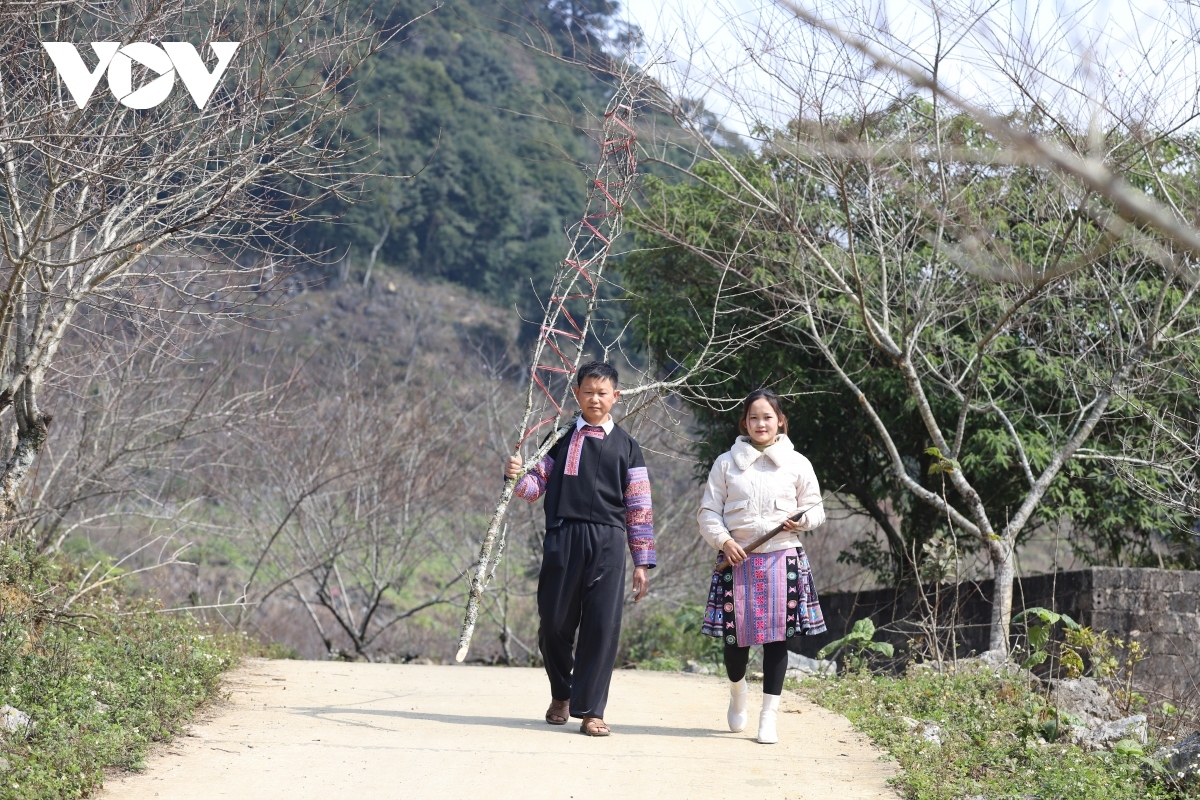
[(755, 62)]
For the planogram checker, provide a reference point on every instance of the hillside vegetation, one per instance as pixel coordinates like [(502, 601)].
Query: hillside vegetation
[(492, 132)]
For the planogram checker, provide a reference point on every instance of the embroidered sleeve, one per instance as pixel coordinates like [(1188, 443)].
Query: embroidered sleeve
[(639, 517), (533, 485)]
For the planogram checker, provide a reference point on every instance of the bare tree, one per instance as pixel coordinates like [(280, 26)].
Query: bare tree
[(135, 401), (91, 184), (340, 498), (1000, 277)]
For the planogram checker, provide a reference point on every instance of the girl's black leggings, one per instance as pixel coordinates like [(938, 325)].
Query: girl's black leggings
[(775, 661)]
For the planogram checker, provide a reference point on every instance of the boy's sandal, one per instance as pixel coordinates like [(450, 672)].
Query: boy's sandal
[(556, 717), (594, 726)]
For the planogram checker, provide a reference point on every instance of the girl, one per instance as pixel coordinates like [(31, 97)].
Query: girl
[(768, 596)]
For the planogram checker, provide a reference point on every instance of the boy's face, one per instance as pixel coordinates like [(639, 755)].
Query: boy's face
[(596, 397)]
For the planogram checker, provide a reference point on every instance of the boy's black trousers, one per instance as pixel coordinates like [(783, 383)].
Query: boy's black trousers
[(581, 587)]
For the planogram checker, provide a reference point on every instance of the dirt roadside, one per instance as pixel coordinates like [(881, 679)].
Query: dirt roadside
[(323, 730)]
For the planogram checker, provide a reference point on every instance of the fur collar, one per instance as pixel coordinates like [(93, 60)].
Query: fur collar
[(744, 454)]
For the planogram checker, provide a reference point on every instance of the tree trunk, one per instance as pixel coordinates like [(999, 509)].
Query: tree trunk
[(375, 252), (31, 435), (1004, 567)]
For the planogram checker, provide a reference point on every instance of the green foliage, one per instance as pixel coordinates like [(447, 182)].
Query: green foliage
[(1037, 638), (488, 128), (941, 465), (1080, 650), (662, 664), (993, 739), (857, 644), (667, 639), (1030, 355), (1111, 660), (100, 683), (1128, 747)]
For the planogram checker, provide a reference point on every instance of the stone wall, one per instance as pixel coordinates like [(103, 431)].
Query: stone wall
[(1161, 608)]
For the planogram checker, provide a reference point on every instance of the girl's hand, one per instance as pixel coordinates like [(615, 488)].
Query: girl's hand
[(734, 552), (512, 468), (790, 524)]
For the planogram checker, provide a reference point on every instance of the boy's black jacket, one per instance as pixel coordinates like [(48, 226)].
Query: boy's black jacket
[(597, 493)]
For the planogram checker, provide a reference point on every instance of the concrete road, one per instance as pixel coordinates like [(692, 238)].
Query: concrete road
[(295, 730)]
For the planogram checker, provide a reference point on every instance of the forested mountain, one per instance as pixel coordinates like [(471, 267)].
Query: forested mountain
[(491, 131)]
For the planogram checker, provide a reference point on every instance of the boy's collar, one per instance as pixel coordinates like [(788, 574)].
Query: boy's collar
[(607, 425)]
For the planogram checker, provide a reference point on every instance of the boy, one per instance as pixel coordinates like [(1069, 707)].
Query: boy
[(597, 503)]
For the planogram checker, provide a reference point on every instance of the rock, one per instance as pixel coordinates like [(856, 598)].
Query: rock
[(697, 669), (1096, 722), (12, 720), (1084, 698), (996, 662), (926, 730), (1087, 738), (1107, 734), (992, 661), (802, 666), (1132, 727), (1178, 766), (4, 765)]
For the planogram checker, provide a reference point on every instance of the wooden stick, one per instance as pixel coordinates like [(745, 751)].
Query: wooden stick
[(577, 277), (479, 577), (768, 536)]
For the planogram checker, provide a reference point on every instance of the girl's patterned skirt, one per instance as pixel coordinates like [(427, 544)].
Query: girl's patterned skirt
[(769, 597)]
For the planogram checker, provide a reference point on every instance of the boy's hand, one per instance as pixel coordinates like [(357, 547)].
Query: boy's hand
[(512, 468), (641, 582)]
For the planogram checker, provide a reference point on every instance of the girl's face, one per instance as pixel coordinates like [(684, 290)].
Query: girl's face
[(762, 423)]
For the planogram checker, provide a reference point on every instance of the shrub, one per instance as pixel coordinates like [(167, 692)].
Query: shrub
[(673, 635), (100, 682), (856, 646), (991, 739)]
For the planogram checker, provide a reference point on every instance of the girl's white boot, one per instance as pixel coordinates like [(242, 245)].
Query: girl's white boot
[(766, 720), (739, 698)]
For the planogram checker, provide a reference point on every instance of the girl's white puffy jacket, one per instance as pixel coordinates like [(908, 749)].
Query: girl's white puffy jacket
[(751, 492)]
